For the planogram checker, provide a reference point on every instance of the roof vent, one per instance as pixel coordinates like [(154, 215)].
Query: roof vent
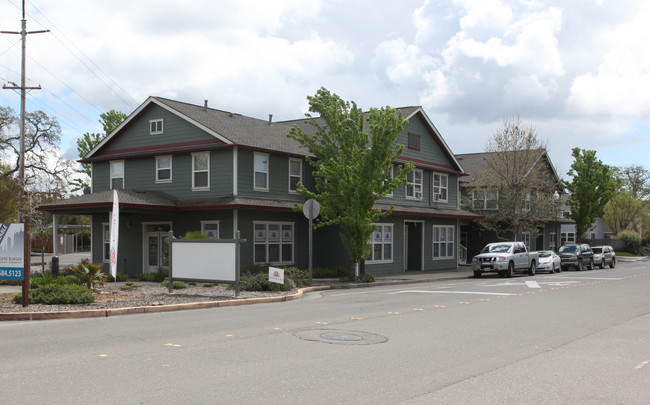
[(270, 119), (205, 105)]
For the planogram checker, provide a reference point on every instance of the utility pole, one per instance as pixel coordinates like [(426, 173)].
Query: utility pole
[(21, 197)]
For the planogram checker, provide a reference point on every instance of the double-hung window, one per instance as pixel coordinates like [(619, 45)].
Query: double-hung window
[(163, 169), (210, 229), (525, 238), (525, 202), (391, 175), (414, 184), (106, 242), (273, 242), (485, 199), (443, 242), (414, 141), (440, 188), (117, 174), (261, 172), (156, 126), (201, 171), (382, 244), (295, 174)]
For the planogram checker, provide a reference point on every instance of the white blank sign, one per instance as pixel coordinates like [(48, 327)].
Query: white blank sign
[(204, 260)]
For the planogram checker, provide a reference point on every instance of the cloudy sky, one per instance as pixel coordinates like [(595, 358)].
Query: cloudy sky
[(578, 70)]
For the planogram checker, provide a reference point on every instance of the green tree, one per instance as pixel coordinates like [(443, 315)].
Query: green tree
[(9, 190), (627, 209), (591, 187), (352, 167), (109, 120), (45, 170), (515, 189)]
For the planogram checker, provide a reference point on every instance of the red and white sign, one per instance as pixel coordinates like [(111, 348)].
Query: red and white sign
[(276, 275)]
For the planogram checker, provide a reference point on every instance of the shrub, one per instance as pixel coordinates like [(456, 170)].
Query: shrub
[(120, 277), (40, 279), (53, 294), (89, 273), (299, 277), (208, 285), (260, 282), (160, 275), (196, 235), (176, 284), (632, 240)]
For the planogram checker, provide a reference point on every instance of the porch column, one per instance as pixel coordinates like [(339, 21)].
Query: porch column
[(55, 235)]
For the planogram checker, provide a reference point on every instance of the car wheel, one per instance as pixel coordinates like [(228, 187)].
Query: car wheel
[(477, 274), (602, 264), (612, 264), (591, 264), (533, 268), (511, 270)]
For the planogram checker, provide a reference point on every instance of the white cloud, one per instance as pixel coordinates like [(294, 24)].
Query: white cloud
[(620, 84)]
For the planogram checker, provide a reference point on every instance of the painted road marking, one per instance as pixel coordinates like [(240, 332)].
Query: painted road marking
[(642, 364), (514, 284), (532, 284), (447, 292)]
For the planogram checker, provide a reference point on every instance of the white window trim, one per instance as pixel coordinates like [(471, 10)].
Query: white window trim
[(371, 242), (106, 227), (268, 164), (391, 175), (157, 131), (169, 180), (446, 242), (280, 241), (299, 161), (525, 239), (417, 195), (484, 200), (114, 177), (204, 223), (440, 187), (203, 188)]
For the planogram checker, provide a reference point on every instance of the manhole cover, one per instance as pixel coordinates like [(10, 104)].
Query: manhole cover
[(340, 337)]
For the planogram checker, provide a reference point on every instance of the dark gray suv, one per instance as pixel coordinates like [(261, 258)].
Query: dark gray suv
[(576, 255)]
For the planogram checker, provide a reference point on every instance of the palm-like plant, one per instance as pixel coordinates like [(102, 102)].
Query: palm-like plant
[(89, 273)]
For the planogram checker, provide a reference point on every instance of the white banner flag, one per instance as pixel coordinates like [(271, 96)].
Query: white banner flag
[(115, 226)]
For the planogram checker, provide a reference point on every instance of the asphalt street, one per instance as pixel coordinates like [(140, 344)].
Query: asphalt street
[(567, 338)]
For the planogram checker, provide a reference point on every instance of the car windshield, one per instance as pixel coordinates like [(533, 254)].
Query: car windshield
[(568, 249), (597, 250), (500, 248), (545, 254)]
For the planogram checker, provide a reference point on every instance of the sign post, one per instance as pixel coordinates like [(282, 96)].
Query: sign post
[(311, 209)]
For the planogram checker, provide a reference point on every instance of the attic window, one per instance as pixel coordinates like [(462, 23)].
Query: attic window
[(414, 142), (156, 126)]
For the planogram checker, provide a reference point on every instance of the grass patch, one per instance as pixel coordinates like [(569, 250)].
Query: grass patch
[(176, 284)]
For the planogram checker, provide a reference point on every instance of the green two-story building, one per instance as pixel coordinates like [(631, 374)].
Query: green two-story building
[(184, 167)]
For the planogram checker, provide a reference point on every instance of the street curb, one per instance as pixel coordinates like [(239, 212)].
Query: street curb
[(95, 313), (396, 282)]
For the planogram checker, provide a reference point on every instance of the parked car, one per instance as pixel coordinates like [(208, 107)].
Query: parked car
[(577, 256), (604, 255), (505, 258), (549, 261)]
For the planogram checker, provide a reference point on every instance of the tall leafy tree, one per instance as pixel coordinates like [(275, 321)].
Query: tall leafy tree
[(628, 207), (591, 187), (109, 120), (515, 190), (353, 153), (44, 170)]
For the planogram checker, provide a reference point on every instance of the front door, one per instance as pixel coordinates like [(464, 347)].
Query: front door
[(413, 245), (157, 251)]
